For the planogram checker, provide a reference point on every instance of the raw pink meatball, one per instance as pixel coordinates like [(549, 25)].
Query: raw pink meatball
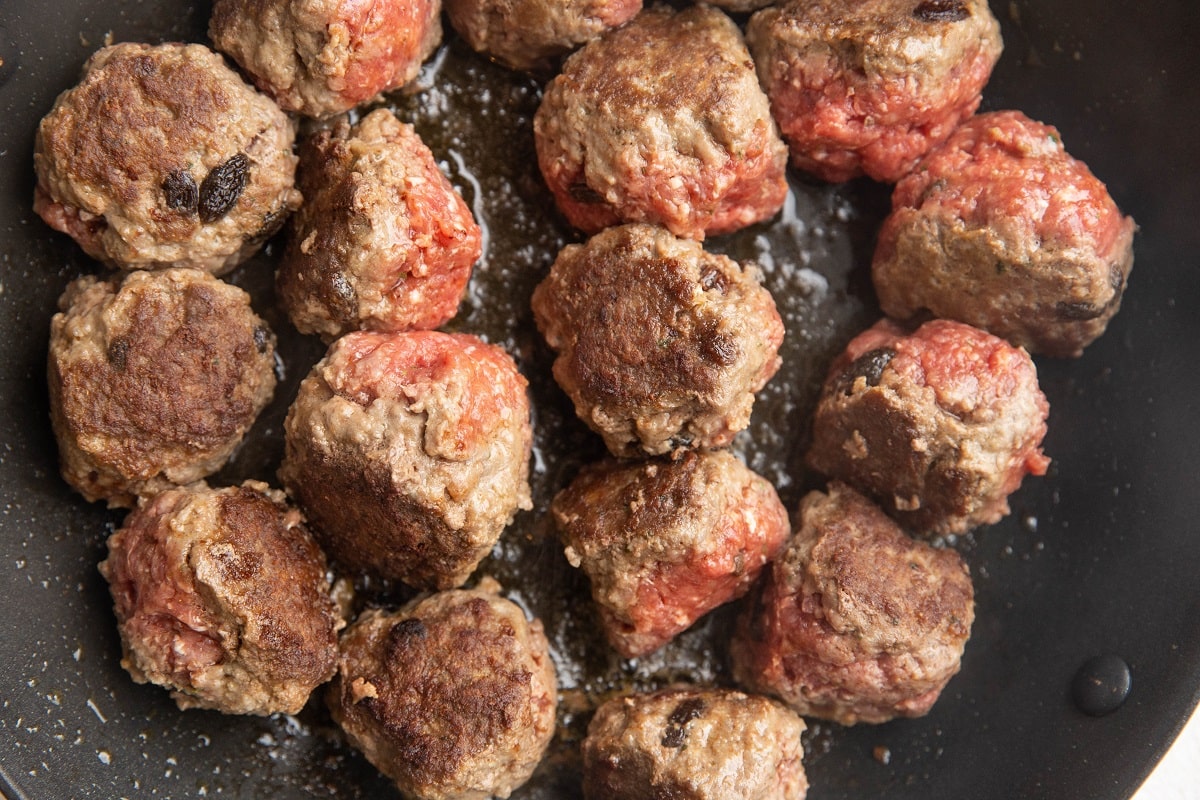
[(323, 57), (383, 241), (1002, 229), (868, 86), (662, 121)]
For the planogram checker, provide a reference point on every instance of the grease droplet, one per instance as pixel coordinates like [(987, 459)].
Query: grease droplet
[(1101, 685)]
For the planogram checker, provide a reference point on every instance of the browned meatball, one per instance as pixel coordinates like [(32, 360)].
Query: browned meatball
[(164, 156), (660, 345), (154, 380), (222, 597), (409, 453), (323, 57), (453, 696), (533, 34), (383, 242), (665, 542), (662, 121), (1002, 229), (856, 622), (699, 744), (868, 86), (939, 425)]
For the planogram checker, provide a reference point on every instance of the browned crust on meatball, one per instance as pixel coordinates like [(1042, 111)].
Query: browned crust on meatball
[(699, 744), (453, 697), (409, 453), (856, 621), (665, 542), (154, 381), (222, 597), (383, 241), (124, 160), (660, 345)]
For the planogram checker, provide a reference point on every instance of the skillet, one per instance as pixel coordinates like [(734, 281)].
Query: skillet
[(1100, 557)]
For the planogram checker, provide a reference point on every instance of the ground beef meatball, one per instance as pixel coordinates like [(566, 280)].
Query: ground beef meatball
[(868, 87), (222, 597), (856, 622), (939, 425), (154, 380), (1002, 229), (163, 156), (383, 241), (453, 696), (660, 345), (323, 57), (662, 121), (534, 34), (665, 542), (409, 453), (700, 744)]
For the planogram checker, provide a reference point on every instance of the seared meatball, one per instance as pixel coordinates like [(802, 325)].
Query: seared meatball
[(453, 696), (323, 57), (154, 380), (409, 453), (700, 744), (383, 241), (1002, 229), (939, 425), (665, 542), (532, 34), (222, 597), (868, 86), (163, 156), (856, 622), (662, 120), (660, 345)]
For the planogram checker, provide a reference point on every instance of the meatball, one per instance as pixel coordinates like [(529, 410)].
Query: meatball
[(664, 543), (154, 380), (939, 425), (323, 57), (660, 345), (662, 121), (702, 744), (409, 453), (453, 696), (534, 34), (383, 241), (163, 156), (868, 87), (856, 622), (222, 596), (1002, 229)]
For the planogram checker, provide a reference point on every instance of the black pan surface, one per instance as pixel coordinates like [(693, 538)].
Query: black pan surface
[(1099, 557)]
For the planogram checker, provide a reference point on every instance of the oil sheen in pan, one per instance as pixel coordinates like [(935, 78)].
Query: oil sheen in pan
[(814, 258)]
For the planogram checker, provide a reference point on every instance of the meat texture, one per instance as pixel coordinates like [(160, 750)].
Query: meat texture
[(665, 542), (660, 345), (662, 121), (868, 87), (856, 622), (534, 34), (1002, 229), (453, 696), (323, 57), (154, 380), (383, 241), (409, 453), (700, 744), (222, 596), (939, 425), (163, 156)]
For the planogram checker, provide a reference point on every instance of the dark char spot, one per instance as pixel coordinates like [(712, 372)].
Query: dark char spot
[(222, 187), (409, 628), (713, 278), (685, 712), (1078, 311), (941, 11), (584, 193), (262, 337), (869, 365), (181, 191), (118, 352)]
